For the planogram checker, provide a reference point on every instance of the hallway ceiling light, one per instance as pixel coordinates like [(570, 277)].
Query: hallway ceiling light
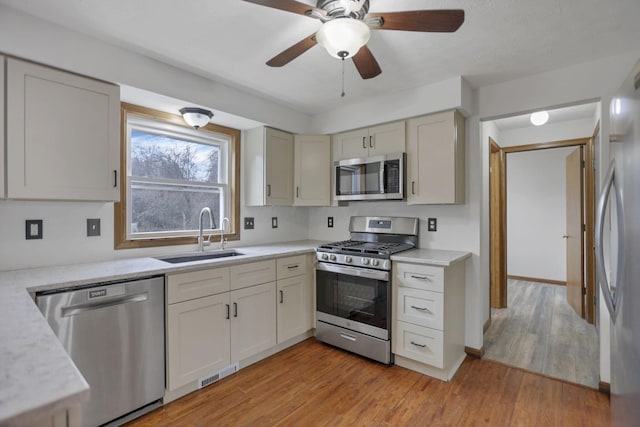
[(196, 117), (539, 118)]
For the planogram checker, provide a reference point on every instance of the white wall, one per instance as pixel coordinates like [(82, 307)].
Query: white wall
[(572, 129), (536, 213)]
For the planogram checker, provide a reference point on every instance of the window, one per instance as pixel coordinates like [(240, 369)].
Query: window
[(172, 172)]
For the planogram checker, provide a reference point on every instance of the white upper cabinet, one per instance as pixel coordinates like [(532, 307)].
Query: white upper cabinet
[(436, 159), (383, 139), (63, 135), (2, 187), (312, 170), (268, 167)]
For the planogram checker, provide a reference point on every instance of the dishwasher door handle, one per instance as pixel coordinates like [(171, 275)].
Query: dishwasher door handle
[(72, 310)]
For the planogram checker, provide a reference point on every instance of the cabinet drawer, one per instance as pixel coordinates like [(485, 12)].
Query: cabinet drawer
[(422, 308), (420, 344), (253, 273), (291, 266), (420, 276), (197, 284)]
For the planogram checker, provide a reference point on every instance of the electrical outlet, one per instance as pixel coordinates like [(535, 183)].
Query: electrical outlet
[(432, 224), (93, 227), (248, 222), (33, 229), (274, 222), (330, 222)]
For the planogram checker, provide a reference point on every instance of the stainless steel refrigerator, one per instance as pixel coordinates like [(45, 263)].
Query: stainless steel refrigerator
[(619, 276)]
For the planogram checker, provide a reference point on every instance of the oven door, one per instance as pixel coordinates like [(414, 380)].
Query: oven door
[(354, 298)]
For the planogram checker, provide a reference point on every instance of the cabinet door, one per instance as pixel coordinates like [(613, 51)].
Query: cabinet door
[(387, 139), (253, 320), (197, 339), (63, 134), (294, 317), (435, 148), (312, 170), (279, 168), (351, 145)]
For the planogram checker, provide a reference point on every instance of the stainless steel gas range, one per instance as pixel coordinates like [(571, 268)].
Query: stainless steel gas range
[(353, 285)]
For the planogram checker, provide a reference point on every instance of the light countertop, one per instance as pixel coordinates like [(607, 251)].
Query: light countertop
[(431, 257), (37, 377)]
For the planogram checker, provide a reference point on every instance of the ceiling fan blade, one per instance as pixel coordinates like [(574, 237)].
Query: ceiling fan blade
[(438, 21), (293, 52), (289, 6), (366, 63)]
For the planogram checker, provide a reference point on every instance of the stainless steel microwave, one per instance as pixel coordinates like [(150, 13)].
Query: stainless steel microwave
[(371, 178)]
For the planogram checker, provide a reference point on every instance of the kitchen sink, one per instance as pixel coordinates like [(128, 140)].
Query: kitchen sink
[(199, 257)]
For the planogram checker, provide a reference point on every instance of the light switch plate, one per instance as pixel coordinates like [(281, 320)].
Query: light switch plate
[(432, 224), (93, 227), (330, 221), (33, 229), (274, 222)]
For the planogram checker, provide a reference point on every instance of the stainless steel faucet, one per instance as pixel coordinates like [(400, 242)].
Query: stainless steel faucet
[(201, 242), (222, 239)]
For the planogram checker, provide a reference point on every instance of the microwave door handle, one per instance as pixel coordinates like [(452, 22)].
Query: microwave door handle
[(382, 180)]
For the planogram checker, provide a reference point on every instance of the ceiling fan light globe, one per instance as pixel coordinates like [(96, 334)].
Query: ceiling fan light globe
[(342, 35)]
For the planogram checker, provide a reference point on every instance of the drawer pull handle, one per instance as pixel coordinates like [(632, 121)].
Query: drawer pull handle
[(235, 309), (228, 311), (413, 276), (348, 337), (418, 345), (291, 267), (421, 308), (281, 296)]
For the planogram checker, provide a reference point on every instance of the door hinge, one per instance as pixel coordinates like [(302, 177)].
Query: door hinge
[(584, 227), (584, 164), (584, 291)]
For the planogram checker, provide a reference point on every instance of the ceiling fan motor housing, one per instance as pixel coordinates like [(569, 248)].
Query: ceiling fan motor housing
[(336, 8)]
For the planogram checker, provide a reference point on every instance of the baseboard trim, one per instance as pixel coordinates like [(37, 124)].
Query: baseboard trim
[(474, 352), (604, 388), (537, 280), (486, 325)]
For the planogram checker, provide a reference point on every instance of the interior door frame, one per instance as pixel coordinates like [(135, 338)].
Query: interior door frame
[(498, 260), (497, 225)]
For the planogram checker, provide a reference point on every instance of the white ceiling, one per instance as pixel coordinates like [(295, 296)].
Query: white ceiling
[(230, 41)]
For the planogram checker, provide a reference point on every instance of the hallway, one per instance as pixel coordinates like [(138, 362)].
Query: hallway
[(540, 332)]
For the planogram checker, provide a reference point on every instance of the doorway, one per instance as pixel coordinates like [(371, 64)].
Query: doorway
[(538, 323)]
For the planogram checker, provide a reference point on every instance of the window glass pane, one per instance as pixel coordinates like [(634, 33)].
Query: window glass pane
[(161, 156), (158, 208)]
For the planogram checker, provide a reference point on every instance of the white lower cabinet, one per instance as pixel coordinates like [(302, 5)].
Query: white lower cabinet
[(220, 319), (294, 296), (428, 318), (198, 339), (253, 320)]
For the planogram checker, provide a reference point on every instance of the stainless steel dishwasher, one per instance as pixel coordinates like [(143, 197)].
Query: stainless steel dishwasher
[(114, 332)]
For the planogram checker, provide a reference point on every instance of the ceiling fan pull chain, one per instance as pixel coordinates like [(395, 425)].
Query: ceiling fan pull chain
[(342, 95)]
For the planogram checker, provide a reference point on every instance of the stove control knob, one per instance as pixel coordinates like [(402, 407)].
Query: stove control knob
[(365, 261), (325, 257), (332, 257), (375, 262), (348, 259)]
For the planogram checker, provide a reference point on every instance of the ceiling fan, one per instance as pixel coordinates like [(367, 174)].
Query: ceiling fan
[(346, 26)]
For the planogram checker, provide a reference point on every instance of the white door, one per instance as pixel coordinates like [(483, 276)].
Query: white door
[(279, 168), (387, 139), (294, 316), (351, 145), (253, 320), (197, 339), (312, 180)]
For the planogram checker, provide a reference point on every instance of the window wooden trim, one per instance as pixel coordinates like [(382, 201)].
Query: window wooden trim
[(120, 208)]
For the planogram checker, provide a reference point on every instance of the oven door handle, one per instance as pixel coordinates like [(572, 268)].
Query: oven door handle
[(354, 271)]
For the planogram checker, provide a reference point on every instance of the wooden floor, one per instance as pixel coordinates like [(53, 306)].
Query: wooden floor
[(540, 332), (312, 384)]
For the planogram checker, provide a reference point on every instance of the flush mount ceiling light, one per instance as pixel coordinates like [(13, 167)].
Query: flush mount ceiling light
[(539, 118), (196, 117), (343, 37)]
